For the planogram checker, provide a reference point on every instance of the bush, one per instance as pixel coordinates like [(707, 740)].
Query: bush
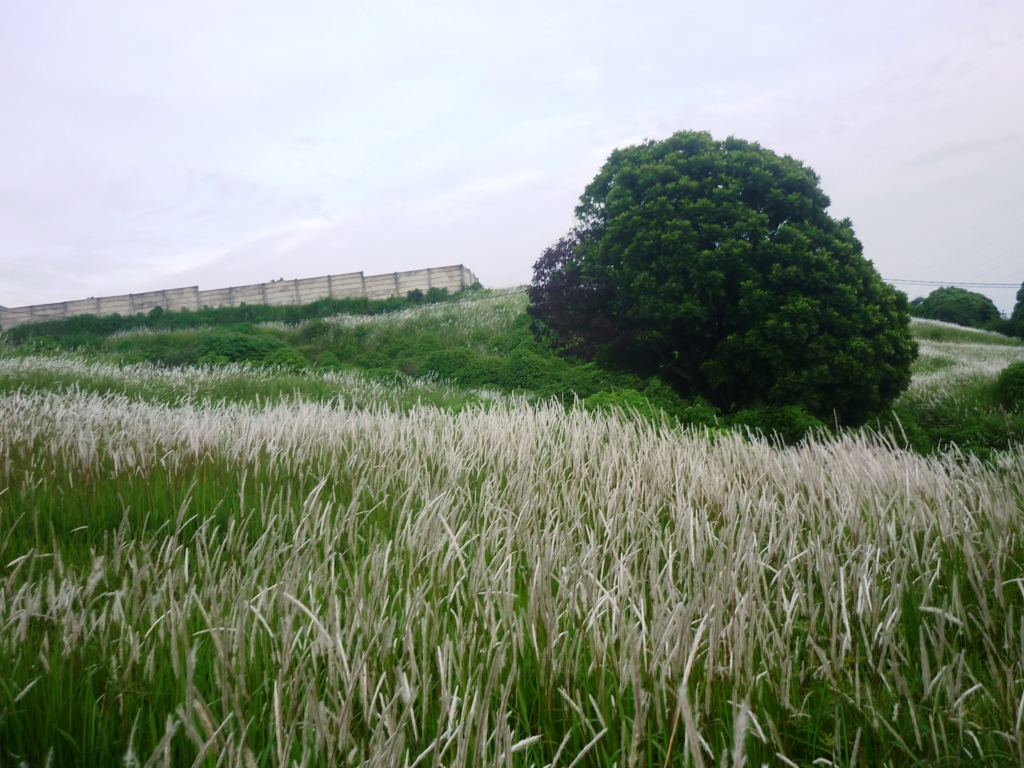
[(1010, 386), (628, 400), (328, 361), (287, 359), (715, 266), (902, 428), (790, 424), (465, 367), (372, 360), (314, 331), (238, 347), (655, 408)]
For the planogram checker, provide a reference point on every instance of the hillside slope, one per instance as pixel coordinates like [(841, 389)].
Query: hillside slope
[(468, 348)]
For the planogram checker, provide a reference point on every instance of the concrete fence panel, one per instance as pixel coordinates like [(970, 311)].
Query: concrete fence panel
[(381, 286), (313, 289), (143, 302), (248, 294), (282, 292), (116, 305), (181, 298), (448, 277), (17, 316), (47, 311), (414, 281), (348, 286), (83, 307), (218, 297)]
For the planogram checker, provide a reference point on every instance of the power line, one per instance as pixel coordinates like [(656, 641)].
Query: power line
[(956, 283)]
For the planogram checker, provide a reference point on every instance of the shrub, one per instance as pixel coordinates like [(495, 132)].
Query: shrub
[(465, 367), (287, 359), (314, 331), (653, 404), (790, 424), (628, 400), (526, 370), (374, 361), (328, 361), (238, 347), (436, 295), (1010, 386), (902, 428)]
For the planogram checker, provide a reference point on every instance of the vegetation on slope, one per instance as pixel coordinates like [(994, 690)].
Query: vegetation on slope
[(970, 309), (402, 536), (480, 346)]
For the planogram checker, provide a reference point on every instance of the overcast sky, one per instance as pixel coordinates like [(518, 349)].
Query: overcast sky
[(148, 145)]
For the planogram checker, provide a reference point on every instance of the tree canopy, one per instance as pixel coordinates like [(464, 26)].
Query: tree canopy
[(715, 265), (1018, 308), (956, 305)]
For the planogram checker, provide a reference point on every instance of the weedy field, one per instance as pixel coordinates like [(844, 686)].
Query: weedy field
[(238, 566)]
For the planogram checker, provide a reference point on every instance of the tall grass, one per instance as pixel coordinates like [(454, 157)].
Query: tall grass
[(936, 330), (308, 583), (952, 394), (237, 383)]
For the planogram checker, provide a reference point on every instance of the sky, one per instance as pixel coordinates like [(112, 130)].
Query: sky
[(150, 145)]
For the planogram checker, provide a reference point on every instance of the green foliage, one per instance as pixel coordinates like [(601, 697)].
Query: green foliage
[(436, 295), (490, 344), (41, 345), (1010, 386), (314, 331), (956, 305), (902, 428), (528, 370), (432, 296), (655, 404), (328, 361), (629, 401), (464, 367), (286, 358), (789, 424), (715, 265), (1018, 308), (970, 418), (238, 347), (922, 328)]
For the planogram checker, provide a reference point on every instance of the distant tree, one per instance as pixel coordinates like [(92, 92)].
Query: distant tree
[(1018, 309), (715, 265), (957, 305)]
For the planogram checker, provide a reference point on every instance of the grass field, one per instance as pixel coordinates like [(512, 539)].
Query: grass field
[(241, 566)]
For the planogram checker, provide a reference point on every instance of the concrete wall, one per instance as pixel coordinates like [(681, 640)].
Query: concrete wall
[(345, 286)]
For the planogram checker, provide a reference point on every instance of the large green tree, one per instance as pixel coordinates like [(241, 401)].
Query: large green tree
[(956, 305), (715, 265), (1018, 308)]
